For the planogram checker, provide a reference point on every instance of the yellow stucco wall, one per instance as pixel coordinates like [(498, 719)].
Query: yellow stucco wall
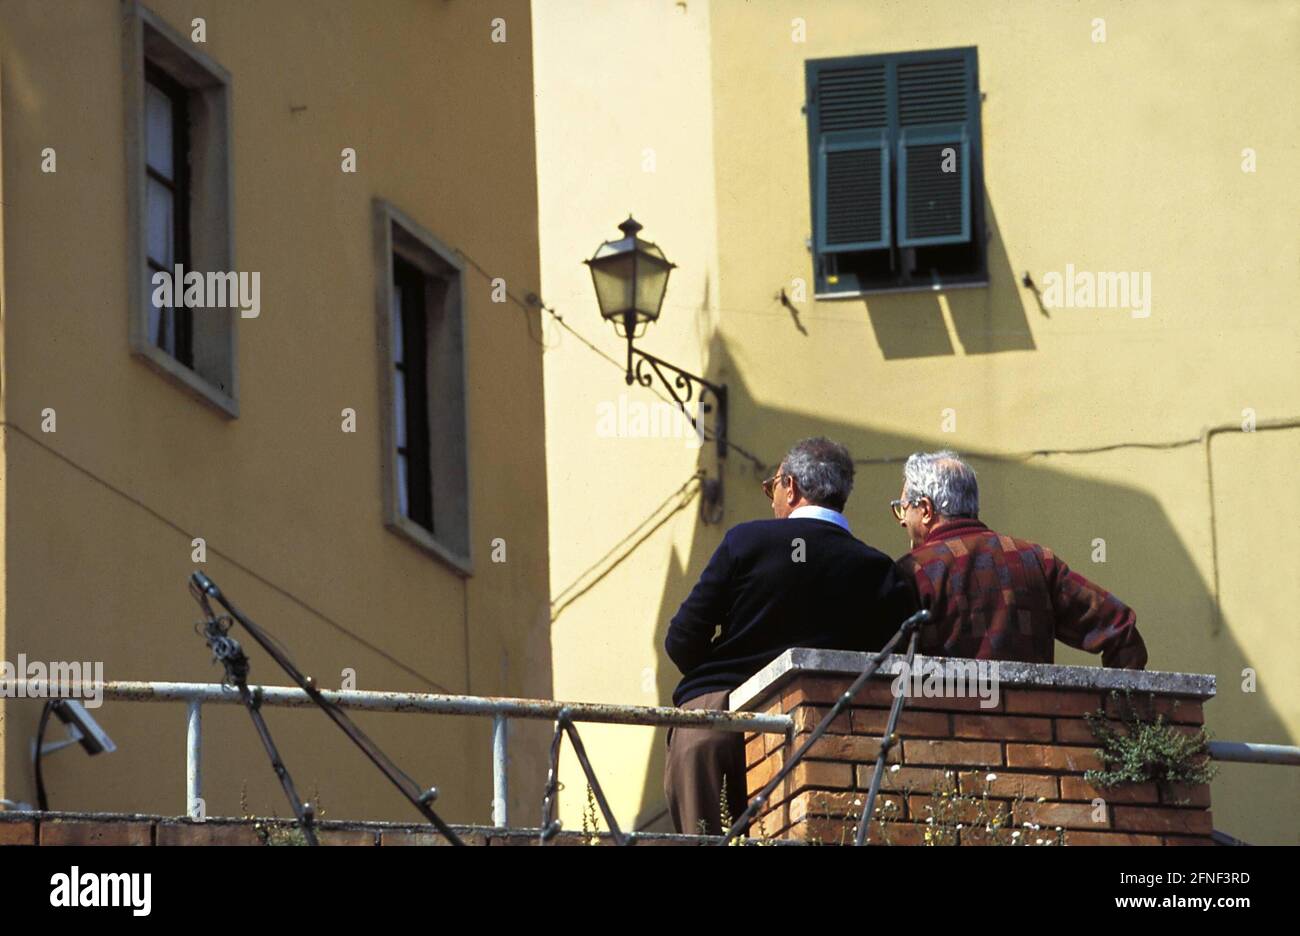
[(105, 507), (1123, 155), (624, 122)]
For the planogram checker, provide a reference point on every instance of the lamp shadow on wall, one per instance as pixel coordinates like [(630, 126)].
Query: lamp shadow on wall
[(985, 319), (1148, 567)]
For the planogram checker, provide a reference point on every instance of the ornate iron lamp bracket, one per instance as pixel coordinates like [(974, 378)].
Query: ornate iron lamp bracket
[(684, 387)]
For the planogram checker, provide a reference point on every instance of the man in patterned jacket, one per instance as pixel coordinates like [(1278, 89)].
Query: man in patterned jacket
[(992, 597)]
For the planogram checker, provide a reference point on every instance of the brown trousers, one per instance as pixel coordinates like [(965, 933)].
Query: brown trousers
[(698, 760)]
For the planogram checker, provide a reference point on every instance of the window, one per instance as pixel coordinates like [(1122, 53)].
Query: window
[(167, 239), (421, 332), (896, 171), (410, 394), (178, 142)]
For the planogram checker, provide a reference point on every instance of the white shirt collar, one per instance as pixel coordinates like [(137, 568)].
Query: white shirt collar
[(822, 513)]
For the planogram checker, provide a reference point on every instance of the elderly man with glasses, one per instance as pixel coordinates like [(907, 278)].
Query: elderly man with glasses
[(992, 597), (799, 580)]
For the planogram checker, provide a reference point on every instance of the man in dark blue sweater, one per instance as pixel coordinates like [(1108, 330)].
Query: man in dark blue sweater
[(801, 580)]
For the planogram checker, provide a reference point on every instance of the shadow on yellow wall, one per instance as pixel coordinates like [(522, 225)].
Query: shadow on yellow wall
[(986, 319), (1150, 569)]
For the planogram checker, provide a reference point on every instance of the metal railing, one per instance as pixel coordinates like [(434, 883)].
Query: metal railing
[(503, 710), (500, 710), (1249, 753)]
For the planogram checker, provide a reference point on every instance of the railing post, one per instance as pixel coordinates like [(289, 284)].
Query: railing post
[(193, 762), (500, 786)]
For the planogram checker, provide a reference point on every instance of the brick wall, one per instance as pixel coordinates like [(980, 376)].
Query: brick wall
[(113, 829), (959, 763)]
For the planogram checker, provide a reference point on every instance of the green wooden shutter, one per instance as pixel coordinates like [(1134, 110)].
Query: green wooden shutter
[(938, 129), (849, 127)]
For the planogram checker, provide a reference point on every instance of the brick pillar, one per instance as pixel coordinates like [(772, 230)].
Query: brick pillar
[(961, 761)]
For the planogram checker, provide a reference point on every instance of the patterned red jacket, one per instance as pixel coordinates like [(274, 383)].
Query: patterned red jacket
[(991, 597)]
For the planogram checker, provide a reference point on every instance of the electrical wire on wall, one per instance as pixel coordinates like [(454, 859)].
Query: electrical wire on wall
[(1203, 439), (532, 301), (274, 586), (589, 577)]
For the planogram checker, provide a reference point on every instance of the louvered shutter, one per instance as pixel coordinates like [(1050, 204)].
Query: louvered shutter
[(850, 127), (937, 104)]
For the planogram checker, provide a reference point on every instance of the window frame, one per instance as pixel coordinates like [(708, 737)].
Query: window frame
[(149, 43), (451, 539), (905, 280)]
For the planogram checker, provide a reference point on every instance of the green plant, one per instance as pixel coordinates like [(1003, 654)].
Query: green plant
[(1147, 750), (274, 831), (849, 819), (591, 819), (726, 820), (948, 814)]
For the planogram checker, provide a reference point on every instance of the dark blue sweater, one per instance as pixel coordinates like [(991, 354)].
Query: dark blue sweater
[(844, 595)]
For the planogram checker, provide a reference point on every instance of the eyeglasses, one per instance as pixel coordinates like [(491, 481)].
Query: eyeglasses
[(899, 507), (770, 485)]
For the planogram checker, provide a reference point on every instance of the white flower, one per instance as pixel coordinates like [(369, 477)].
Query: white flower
[(857, 802), (990, 778), (930, 821), (959, 825), (893, 768), (1038, 841), (1015, 835)]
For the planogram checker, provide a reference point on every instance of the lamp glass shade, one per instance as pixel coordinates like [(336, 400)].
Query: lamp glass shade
[(630, 276), (613, 277), (651, 283)]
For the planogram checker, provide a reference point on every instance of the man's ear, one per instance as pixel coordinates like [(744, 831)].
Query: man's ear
[(795, 493)]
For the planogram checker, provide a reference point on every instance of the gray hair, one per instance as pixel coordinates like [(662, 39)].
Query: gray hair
[(944, 478), (823, 470)]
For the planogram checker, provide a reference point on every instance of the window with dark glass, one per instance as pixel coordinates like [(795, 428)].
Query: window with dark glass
[(167, 213), (411, 394), (425, 440), (180, 207)]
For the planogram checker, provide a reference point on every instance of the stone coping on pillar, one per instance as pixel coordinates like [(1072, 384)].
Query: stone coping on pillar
[(759, 687)]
